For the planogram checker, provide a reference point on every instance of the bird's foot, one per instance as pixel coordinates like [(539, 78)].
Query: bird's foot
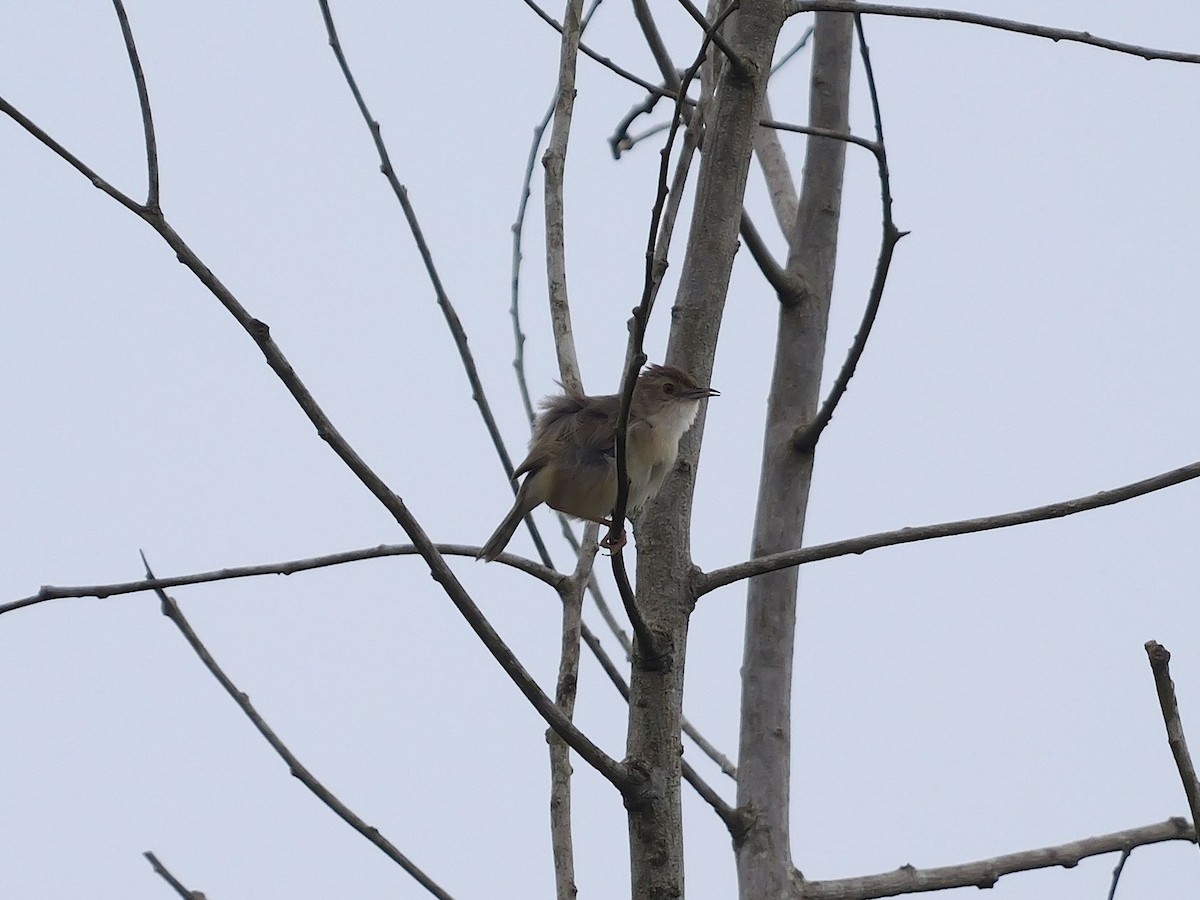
[(612, 545)]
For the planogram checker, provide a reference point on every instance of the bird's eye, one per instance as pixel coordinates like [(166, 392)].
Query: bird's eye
[(669, 387)]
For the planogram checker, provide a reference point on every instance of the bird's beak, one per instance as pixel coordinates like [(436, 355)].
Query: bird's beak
[(701, 393)]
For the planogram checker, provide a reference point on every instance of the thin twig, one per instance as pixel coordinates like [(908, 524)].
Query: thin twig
[(949, 15), (603, 60), (171, 610), (71, 159), (518, 229), (789, 286), (621, 140), (1120, 867), (714, 34), (139, 79), (985, 873), (629, 141), (1160, 665), (786, 57), (821, 132), (658, 47), (735, 820), (457, 332), (170, 879), (721, 577), (565, 693), (776, 171), (554, 162), (49, 592), (806, 437)]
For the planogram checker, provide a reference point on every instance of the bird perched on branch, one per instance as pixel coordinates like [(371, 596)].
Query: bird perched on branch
[(572, 464)]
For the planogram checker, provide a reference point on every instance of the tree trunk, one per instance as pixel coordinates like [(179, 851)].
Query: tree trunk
[(664, 591), (764, 763)]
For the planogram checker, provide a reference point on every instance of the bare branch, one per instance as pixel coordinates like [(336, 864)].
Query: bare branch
[(807, 436), (735, 820), (171, 610), (100, 591), (949, 15), (554, 161), (518, 230), (1117, 870), (1160, 665), (786, 56), (821, 132), (603, 60), (139, 79), (621, 140), (457, 332), (986, 872), (772, 160), (775, 561), (170, 879), (644, 640), (560, 754), (789, 286), (654, 40), (714, 34), (71, 159)]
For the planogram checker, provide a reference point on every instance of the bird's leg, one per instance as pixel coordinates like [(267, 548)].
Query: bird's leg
[(612, 546)]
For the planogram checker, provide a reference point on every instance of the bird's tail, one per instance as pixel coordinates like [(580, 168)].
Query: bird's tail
[(503, 534)]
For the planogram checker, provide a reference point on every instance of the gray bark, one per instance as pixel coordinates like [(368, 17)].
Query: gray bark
[(665, 592), (765, 745)]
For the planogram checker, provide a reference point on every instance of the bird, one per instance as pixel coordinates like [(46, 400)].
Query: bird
[(572, 464)]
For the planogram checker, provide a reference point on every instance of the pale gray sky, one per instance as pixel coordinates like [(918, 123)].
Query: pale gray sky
[(954, 700)]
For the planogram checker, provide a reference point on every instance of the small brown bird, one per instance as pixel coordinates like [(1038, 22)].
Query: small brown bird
[(572, 463)]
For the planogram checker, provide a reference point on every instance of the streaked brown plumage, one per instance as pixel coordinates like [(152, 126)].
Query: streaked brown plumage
[(571, 464)]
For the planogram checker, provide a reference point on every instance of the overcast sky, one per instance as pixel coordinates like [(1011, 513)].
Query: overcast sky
[(954, 700)]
